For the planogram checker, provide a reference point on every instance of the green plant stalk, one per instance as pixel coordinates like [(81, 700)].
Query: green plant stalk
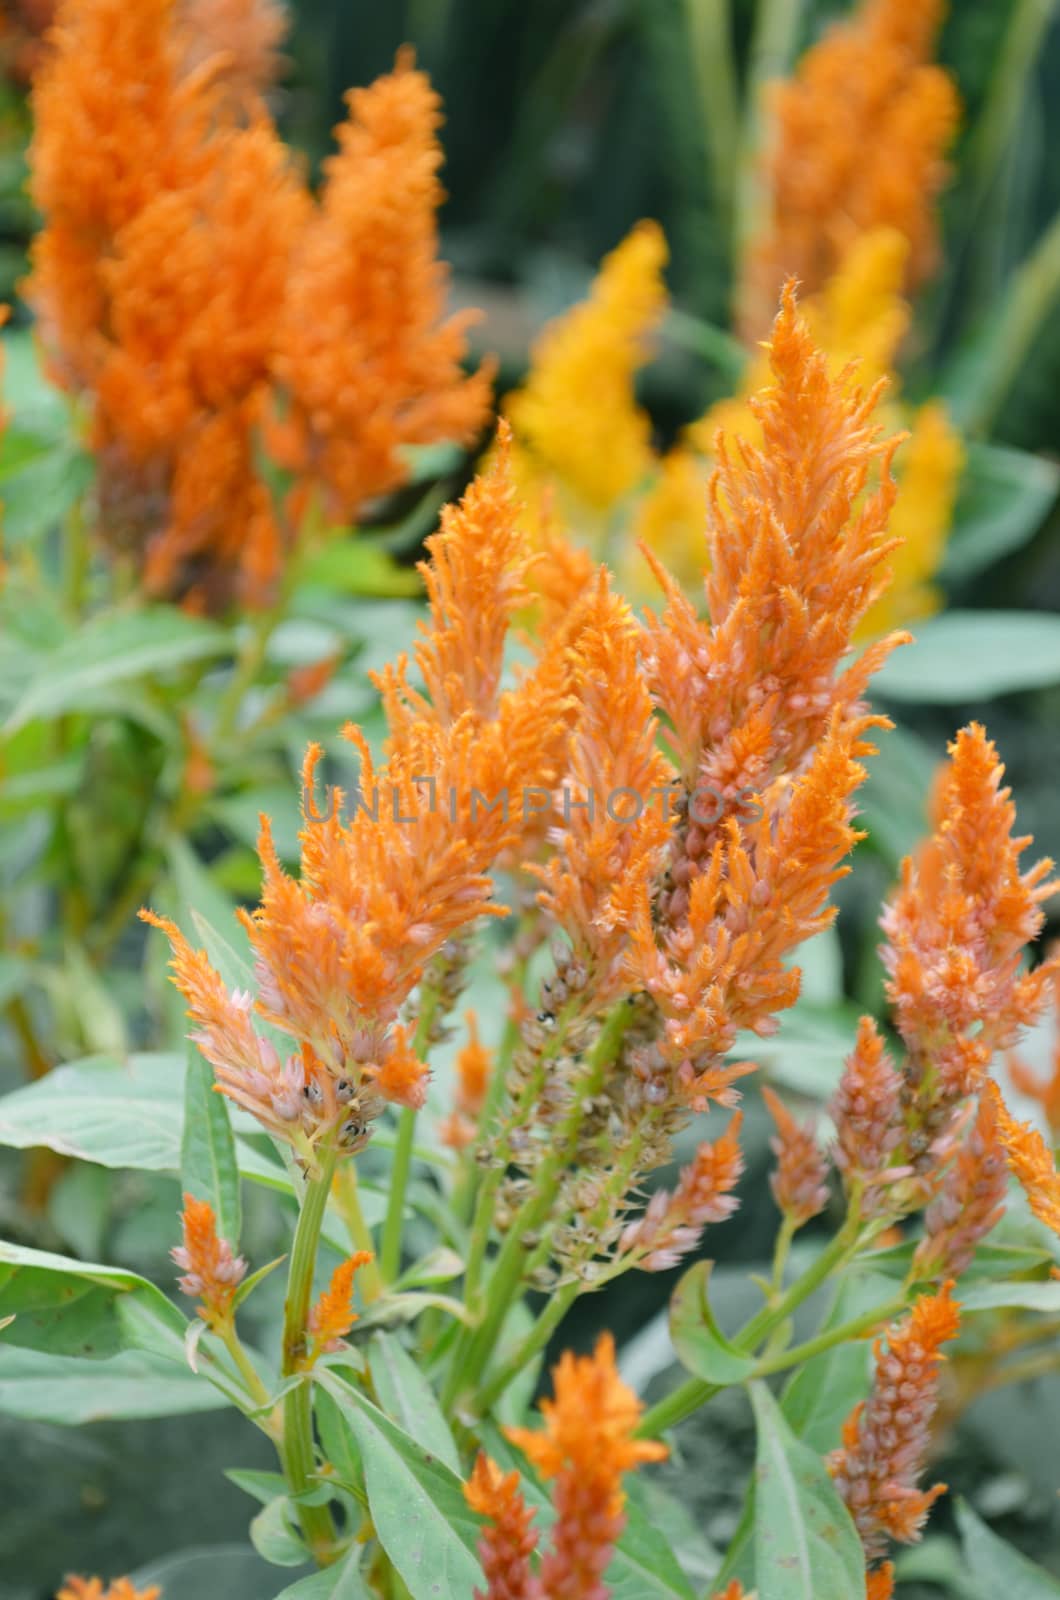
[(348, 1199), (710, 38), (1031, 297), (390, 1244), (511, 1263), (694, 1392), (856, 1328), (298, 1456), (1005, 96)]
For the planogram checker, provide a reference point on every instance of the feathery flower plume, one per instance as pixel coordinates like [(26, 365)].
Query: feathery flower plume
[(586, 1446), (673, 1224), (366, 360), (885, 1439), (508, 1540), (879, 1584), (474, 1066), (1031, 1161), (211, 1271), (332, 1315), (77, 1588), (956, 931), (340, 951), (969, 1201), (614, 828), (861, 131), (242, 38), (800, 1182), (576, 420), (867, 1112)]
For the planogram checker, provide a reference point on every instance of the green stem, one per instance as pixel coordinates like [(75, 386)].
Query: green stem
[(710, 39), (772, 48), (298, 1453), (255, 1388), (854, 1329), (1031, 297), (390, 1244), (1005, 96)]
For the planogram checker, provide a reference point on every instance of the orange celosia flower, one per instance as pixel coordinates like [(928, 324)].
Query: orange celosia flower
[(867, 1112), (673, 1224), (1030, 1159), (211, 1270), (508, 1540), (860, 135), (340, 951), (242, 39), (587, 1445), (969, 1201), (76, 1588), (332, 1316), (365, 361), (1047, 1092), (474, 1065), (879, 1585), (885, 1440), (956, 931), (734, 1591), (615, 812), (800, 1182)]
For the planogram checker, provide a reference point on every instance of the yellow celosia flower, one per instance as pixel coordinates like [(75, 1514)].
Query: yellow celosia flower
[(928, 469), (671, 520), (576, 421)]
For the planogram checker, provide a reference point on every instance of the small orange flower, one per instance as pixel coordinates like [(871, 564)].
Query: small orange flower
[(867, 1113), (474, 1066), (76, 1588), (587, 1445), (885, 1440), (1031, 1160), (734, 1591), (861, 133), (211, 1270), (800, 1182), (332, 1317), (879, 1585), (969, 1201), (1047, 1092), (673, 1224), (366, 361), (508, 1540)]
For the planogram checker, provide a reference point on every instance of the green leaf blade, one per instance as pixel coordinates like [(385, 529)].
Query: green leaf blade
[(209, 1169)]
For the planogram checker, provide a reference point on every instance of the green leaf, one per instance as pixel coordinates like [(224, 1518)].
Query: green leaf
[(417, 1503), (39, 483), (208, 1166), (700, 1344), (1003, 1296), (686, 1545), (991, 1261), (1003, 500), (272, 1533), (360, 566), (114, 1113), (200, 1572), (806, 1545), (997, 1569), (973, 655), (408, 1399), (261, 1486), (821, 1394), (341, 1582), (70, 1307), (113, 648), (69, 1391)]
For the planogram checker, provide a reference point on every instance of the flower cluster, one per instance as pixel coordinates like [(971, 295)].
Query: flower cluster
[(860, 135), (75, 1588), (885, 1440), (1031, 1161), (212, 1271), (332, 1316), (189, 288), (585, 1449)]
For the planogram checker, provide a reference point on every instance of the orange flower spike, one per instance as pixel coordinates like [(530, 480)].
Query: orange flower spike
[(332, 1316), (673, 1224), (734, 1591), (1047, 1092), (587, 1445), (861, 131), (800, 1182), (366, 358), (969, 1201), (879, 1585), (867, 1112), (77, 1588), (508, 1541), (1030, 1160), (885, 1440), (956, 931), (242, 38), (474, 1067), (615, 822), (211, 1271)]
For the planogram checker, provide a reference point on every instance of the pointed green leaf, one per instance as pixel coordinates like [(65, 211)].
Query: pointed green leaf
[(806, 1545), (699, 1342), (408, 1399), (962, 656), (208, 1166), (341, 1582), (1004, 498), (69, 1391), (273, 1535), (996, 1568), (69, 1307)]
